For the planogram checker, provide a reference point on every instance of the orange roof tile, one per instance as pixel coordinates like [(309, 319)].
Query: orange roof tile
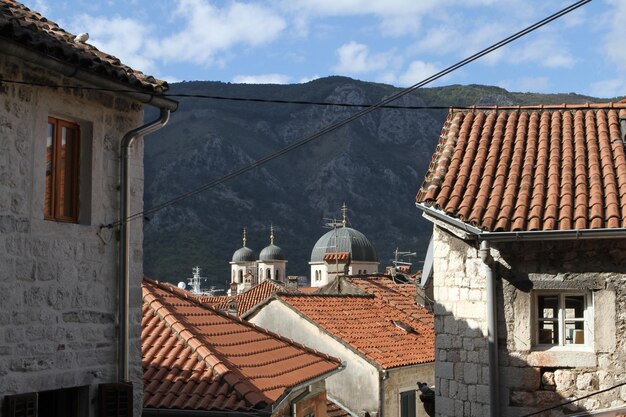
[(196, 357), (366, 324), (247, 299), (336, 256), (399, 295), (30, 29), (531, 168)]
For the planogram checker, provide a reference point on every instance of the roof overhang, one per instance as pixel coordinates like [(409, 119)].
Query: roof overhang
[(71, 71), (472, 232)]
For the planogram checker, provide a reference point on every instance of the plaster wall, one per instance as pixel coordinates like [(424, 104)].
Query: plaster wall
[(403, 379), (58, 280), (531, 378), (356, 387)]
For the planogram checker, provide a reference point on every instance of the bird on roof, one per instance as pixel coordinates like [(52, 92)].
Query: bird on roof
[(81, 38)]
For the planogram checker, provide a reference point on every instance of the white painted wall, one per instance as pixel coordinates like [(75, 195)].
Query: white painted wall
[(356, 387)]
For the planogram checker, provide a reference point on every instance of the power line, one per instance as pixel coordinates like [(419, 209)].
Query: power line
[(358, 115)]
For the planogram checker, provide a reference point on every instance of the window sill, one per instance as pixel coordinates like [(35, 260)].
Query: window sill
[(563, 357)]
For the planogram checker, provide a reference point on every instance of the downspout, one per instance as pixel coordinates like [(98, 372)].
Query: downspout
[(381, 392), (124, 248), (492, 330)]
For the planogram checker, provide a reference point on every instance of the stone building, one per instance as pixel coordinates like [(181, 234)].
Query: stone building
[(386, 340), (64, 335), (529, 262)]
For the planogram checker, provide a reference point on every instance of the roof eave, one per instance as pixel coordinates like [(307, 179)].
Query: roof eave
[(534, 235), (17, 50)]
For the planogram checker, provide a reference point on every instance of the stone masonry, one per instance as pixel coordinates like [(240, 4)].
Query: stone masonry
[(530, 379), (58, 280)]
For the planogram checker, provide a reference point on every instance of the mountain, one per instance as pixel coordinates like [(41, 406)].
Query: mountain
[(374, 164)]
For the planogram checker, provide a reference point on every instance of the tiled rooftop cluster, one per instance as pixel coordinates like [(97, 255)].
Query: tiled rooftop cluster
[(30, 29), (399, 295), (367, 324), (196, 357), (528, 169), (247, 299)]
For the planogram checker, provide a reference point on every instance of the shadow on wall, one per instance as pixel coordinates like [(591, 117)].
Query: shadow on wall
[(560, 334)]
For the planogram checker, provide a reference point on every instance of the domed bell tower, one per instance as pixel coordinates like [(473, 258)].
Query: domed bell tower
[(272, 263)]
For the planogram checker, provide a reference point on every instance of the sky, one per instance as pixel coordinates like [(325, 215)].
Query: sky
[(397, 42)]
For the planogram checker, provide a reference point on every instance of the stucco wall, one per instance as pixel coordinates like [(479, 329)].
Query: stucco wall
[(58, 280), (530, 379), (402, 379), (356, 387)]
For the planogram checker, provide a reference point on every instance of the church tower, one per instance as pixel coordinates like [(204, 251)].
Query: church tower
[(243, 267), (272, 263)]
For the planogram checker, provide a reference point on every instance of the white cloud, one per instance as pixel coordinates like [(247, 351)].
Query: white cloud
[(208, 30), (548, 51), (355, 58), (262, 79), (417, 71), (118, 36), (308, 78), (608, 88), (614, 39)]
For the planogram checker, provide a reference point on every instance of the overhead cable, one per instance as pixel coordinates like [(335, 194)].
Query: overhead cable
[(295, 145)]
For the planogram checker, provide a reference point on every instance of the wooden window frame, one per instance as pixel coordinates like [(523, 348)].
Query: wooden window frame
[(53, 207)]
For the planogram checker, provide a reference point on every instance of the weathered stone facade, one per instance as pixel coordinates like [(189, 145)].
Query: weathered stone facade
[(59, 280), (531, 378)]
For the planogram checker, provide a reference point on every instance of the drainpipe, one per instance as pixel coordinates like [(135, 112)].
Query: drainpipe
[(124, 248), (492, 330), (381, 392)]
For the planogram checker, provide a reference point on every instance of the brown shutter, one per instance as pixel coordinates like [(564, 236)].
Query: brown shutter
[(22, 405), (115, 400)]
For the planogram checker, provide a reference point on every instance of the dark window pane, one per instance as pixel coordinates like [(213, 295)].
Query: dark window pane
[(407, 404), (548, 306), (574, 307), (548, 333)]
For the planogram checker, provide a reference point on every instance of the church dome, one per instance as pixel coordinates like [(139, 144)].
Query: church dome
[(344, 239), (244, 254), (272, 253)]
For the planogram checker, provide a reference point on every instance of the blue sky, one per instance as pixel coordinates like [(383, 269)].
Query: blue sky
[(398, 42)]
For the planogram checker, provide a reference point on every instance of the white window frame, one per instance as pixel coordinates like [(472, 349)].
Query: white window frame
[(560, 320)]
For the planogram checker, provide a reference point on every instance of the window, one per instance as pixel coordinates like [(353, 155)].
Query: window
[(62, 171), (562, 319), (407, 403), (67, 402)]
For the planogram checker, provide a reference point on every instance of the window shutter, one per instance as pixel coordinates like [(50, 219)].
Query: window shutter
[(22, 405), (115, 400)]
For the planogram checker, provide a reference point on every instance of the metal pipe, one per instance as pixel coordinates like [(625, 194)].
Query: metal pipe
[(124, 247), (534, 235), (72, 71), (381, 392), (492, 330)]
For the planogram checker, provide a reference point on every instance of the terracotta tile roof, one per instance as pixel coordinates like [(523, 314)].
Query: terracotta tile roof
[(308, 290), (366, 323), (33, 31), (399, 295), (531, 169), (336, 256), (247, 299), (196, 357)]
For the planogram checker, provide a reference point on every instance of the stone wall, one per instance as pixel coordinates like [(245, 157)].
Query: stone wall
[(58, 280), (402, 379), (531, 379)]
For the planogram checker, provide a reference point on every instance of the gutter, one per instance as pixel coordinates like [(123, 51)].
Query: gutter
[(124, 247), (279, 402), (535, 235)]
